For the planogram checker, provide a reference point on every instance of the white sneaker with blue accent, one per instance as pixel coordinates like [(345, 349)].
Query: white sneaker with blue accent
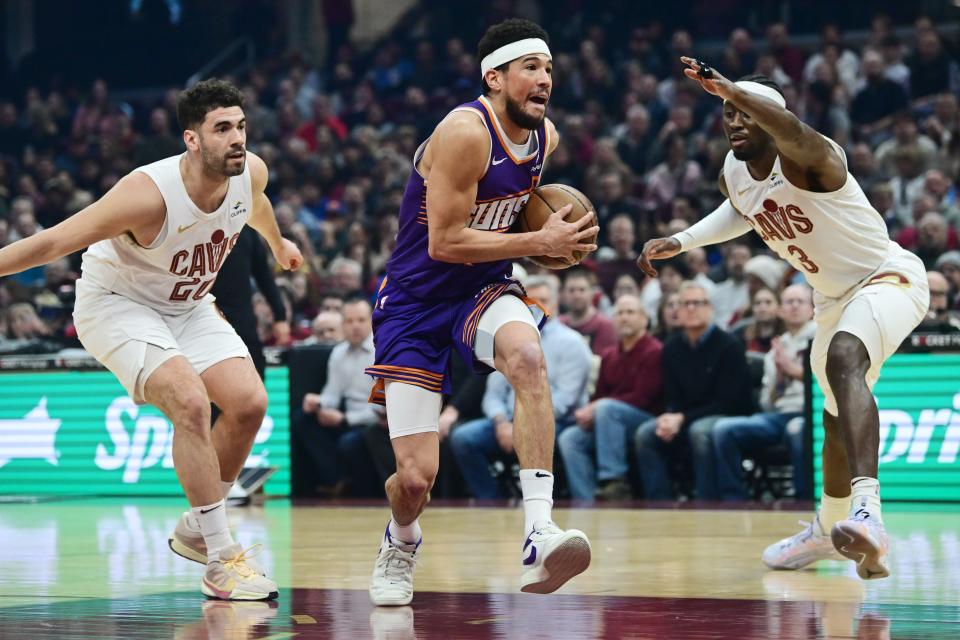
[(551, 556), (801, 549), (392, 581)]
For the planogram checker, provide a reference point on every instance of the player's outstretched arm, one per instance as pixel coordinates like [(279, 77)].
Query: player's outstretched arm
[(722, 224), (263, 220), (460, 148), (133, 203), (795, 140)]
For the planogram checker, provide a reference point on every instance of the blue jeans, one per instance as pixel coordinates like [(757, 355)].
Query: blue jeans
[(652, 453), (734, 436), (332, 454), (614, 424), (474, 445)]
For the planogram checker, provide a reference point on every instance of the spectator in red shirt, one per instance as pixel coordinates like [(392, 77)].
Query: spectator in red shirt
[(628, 393), (323, 117), (579, 291)]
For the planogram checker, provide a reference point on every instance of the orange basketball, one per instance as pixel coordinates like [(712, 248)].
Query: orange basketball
[(543, 202)]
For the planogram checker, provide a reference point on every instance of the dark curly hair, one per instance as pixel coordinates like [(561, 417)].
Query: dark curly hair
[(195, 103), (764, 80), (504, 33)]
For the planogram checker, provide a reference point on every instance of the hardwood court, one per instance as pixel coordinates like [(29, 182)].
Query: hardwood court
[(102, 569)]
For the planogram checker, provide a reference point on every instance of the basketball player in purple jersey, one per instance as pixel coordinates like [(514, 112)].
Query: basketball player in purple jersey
[(448, 286)]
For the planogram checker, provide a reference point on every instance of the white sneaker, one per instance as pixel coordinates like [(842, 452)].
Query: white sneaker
[(551, 556), (187, 541), (231, 578), (799, 550), (864, 540), (392, 581)]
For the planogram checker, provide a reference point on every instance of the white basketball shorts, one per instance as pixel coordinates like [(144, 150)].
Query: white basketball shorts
[(132, 340), (881, 312)]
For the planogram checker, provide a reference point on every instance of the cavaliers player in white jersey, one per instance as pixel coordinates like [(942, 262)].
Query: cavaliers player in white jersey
[(143, 309), (791, 185)]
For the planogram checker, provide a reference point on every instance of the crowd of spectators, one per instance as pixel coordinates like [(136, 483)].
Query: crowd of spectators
[(643, 143)]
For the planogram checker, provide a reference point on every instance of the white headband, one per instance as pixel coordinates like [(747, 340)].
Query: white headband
[(512, 51), (762, 90)]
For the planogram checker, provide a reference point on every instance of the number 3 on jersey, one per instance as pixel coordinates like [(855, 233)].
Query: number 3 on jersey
[(803, 258)]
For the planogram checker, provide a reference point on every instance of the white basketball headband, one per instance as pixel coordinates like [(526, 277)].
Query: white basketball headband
[(762, 90), (512, 51)]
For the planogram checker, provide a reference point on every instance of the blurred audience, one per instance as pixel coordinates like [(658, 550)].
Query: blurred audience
[(628, 392)]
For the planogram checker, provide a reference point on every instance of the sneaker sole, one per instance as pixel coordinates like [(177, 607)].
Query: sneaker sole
[(391, 602), (184, 551), (570, 558), (851, 543), (237, 594), (803, 560)]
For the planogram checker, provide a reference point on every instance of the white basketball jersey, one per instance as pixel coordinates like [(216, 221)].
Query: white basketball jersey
[(175, 273), (835, 239)]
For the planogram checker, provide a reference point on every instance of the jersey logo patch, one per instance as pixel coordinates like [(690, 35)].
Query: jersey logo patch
[(495, 162), (183, 228)]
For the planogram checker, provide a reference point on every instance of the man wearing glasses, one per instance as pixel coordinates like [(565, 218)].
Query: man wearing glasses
[(705, 377), (939, 318)]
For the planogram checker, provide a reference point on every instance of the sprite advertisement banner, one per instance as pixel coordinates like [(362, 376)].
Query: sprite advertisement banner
[(918, 397), (78, 433)]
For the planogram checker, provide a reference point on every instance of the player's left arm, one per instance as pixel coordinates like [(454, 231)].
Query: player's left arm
[(798, 142), (264, 221)]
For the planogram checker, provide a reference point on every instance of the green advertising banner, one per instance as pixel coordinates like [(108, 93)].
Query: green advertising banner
[(78, 433), (918, 397)]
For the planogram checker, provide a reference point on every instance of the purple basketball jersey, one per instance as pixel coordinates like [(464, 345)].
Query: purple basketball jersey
[(501, 194)]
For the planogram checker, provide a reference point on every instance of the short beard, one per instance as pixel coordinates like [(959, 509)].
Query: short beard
[(745, 155), (522, 119), (218, 164)]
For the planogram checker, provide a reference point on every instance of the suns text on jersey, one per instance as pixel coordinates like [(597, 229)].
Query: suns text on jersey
[(497, 215)]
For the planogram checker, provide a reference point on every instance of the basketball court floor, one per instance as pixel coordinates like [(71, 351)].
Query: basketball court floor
[(101, 569)]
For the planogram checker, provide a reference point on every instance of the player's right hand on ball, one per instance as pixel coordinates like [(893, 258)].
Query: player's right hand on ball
[(657, 249), (564, 238)]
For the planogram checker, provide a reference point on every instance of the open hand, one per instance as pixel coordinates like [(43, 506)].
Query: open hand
[(657, 249), (710, 80)]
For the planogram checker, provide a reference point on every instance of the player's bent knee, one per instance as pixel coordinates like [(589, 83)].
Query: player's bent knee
[(847, 359), (414, 477), (251, 410), (192, 413), (525, 366)]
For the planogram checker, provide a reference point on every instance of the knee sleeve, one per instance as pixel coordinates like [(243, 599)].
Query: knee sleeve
[(411, 409), (506, 308)]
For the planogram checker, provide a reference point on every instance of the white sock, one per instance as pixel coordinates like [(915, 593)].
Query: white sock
[(537, 488), (866, 495), (192, 523), (406, 533), (213, 525), (832, 511)]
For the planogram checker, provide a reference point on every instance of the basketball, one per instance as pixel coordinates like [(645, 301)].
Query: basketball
[(542, 203)]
